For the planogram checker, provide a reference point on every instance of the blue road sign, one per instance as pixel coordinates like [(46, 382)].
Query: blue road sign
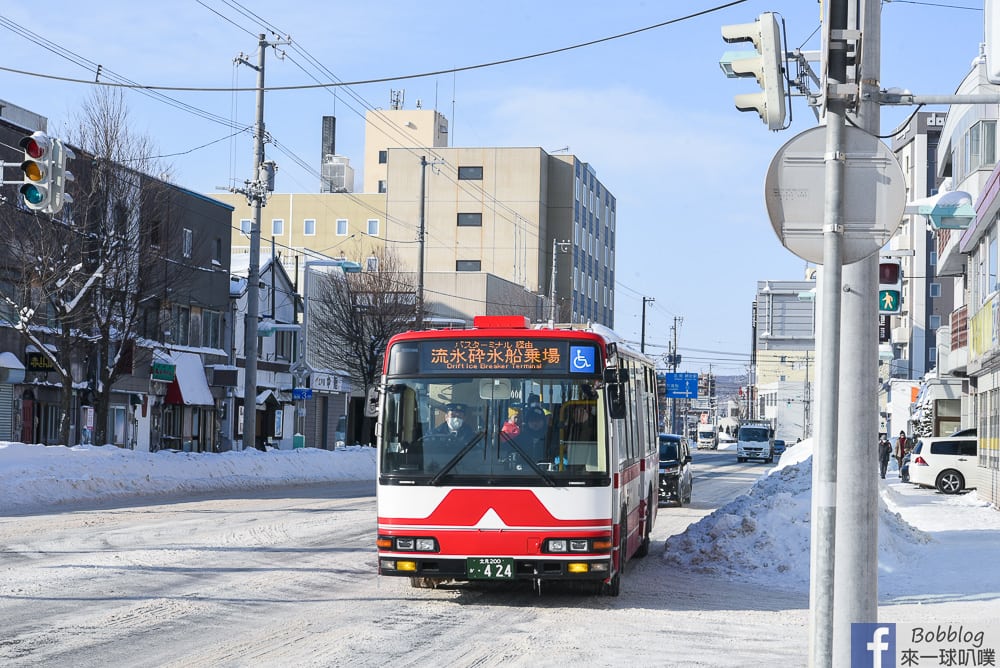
[(682, 385), (302, 393)]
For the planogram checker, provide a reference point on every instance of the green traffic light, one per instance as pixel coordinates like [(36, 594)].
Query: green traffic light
[(32, 194)]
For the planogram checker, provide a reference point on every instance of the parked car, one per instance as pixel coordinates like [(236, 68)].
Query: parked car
[(779, 446), (945, 462), (676, 479)]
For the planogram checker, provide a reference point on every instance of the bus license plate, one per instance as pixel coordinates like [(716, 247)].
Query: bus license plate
[(489, 568)]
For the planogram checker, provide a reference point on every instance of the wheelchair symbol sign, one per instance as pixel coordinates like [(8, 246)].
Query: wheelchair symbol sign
[(581, 359)]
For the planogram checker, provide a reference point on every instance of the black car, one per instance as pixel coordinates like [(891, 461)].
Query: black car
[(676, 480)]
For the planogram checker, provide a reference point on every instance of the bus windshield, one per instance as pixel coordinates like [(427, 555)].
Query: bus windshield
[(479, 430)]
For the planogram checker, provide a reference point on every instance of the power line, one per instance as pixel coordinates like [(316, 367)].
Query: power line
[(454, 70)]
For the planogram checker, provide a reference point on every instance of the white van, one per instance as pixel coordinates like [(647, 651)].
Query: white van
[(946, 462)]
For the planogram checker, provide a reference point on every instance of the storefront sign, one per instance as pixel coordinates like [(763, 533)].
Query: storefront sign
[(39, 362), (164, 371)]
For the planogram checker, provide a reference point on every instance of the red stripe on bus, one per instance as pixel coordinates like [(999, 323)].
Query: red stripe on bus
[(515, 507), (463, 543)]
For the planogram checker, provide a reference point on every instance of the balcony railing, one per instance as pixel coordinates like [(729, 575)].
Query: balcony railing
[(960, 328)]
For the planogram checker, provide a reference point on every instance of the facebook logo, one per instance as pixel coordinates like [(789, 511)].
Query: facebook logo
[(873, 645)]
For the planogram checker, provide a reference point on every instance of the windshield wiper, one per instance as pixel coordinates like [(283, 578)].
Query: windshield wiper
[(507, 438), (454, 460)]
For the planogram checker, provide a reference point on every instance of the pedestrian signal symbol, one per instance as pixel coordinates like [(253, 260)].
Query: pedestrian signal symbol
[(888, 301)]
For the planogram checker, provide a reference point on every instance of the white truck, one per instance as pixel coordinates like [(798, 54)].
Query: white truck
[(755, 440), (708, 436)]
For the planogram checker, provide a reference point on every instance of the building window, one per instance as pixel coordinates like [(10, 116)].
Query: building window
[(371, 264), (382, 186), (470, 220), (284, 345), (154, 232), (932, 355), (468, 265), (934, 322), (277, 227), (383, 157), (341, 227), (245, 226), (309, 227), (934, 290), (932, 258), (470, 173), (217, 251), (211, 329), (180, 325), (373, 227), (187, 241)]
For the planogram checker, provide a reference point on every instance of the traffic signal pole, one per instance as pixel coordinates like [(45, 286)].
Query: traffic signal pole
[(855, 593), (824, 460)]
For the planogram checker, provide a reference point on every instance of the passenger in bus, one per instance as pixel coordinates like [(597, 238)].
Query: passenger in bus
[(454, 424), (512, 427), (581, 424), (533, 431)]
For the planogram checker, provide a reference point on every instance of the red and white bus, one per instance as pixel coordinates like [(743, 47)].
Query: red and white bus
[(511, 452)]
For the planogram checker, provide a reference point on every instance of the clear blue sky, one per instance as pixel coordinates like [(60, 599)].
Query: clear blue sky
[(652, 111)]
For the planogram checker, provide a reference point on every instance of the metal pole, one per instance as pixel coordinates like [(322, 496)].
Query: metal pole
[(824, 474), (642, 342), (673, 402), (256, 191), (855, 591), (552, 286), (419, 320)]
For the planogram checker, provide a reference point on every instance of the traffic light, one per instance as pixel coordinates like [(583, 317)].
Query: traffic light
[(890, 287), (44, 173), (37, 168), (767, 66)]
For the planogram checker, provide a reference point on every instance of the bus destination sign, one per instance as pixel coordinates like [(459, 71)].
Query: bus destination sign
[(494, 355)]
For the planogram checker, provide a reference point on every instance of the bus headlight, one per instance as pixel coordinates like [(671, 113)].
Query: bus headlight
[(563, 545), (408, 543), (555, 545)]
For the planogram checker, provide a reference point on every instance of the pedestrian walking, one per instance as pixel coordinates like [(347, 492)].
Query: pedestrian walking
[(884, 454), (902, 447)]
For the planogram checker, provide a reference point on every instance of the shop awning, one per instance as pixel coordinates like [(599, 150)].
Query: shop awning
[(189, 386), (11, 369)]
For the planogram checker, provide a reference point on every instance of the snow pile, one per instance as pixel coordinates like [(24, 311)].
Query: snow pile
[(38, 475), (764, 535)]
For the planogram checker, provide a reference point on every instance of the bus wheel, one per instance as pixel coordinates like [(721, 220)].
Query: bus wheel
[(614, 586), (644, 545)]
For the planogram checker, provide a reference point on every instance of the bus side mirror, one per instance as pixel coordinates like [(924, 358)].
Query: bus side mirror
[(371, 403), (616, 400)]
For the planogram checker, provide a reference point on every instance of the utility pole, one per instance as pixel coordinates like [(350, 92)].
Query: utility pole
[(806, 402), (421, 239), (421, 234), (256, 194), (855, 593), (642, 342), (674, 363), (556, 247), (824, 473)]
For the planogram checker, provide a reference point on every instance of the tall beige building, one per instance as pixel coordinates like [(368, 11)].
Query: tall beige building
[(492, 219)]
